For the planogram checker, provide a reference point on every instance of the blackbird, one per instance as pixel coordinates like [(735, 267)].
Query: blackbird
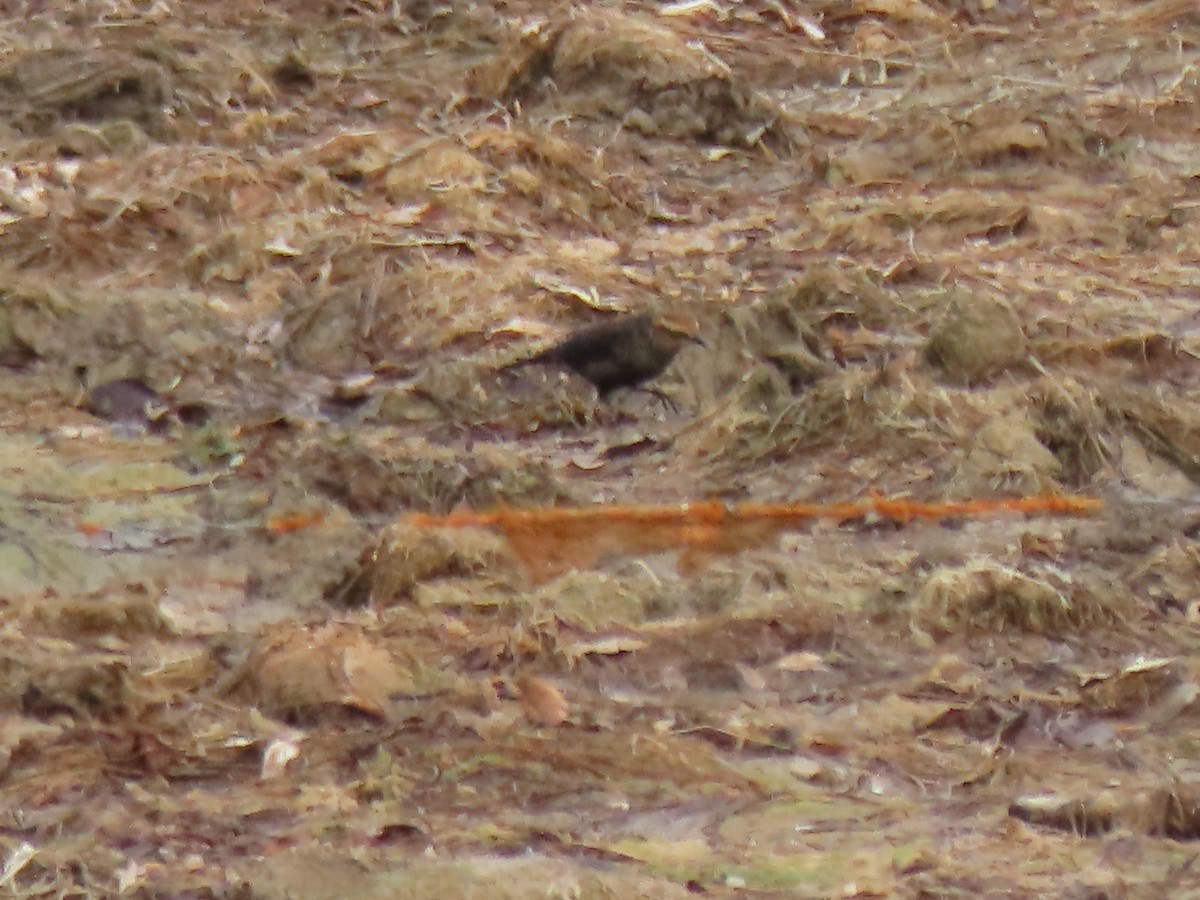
[(128, 401), (621, 354)]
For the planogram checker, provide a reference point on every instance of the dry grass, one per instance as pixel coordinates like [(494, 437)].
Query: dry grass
[(936, 250)]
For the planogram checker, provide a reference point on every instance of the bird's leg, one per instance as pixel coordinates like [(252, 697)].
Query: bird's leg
[(662, 396)]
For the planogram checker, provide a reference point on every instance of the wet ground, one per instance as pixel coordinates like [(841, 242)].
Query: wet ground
[(261, 272)]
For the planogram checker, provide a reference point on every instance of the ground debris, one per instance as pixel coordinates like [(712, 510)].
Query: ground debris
[(393, 621)]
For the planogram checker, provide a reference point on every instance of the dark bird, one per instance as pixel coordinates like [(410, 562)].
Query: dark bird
[(621, 354), (132, 403), (128, 401)]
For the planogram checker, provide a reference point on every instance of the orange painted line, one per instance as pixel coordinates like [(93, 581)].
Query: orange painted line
[(294, 522), (712, 513)]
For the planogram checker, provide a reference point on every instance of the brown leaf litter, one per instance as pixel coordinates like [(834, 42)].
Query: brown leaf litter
[(941, 254)]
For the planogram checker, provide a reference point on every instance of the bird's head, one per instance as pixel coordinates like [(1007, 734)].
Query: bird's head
[(680, 327)]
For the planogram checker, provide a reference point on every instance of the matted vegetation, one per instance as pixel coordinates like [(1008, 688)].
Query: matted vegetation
[(939, 251)]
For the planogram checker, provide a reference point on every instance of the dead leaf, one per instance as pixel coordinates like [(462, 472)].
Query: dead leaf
[(543, 703), (801, 662), (304, 669), (604, 646)]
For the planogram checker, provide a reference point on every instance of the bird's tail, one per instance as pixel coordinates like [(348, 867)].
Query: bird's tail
[(538, 359)]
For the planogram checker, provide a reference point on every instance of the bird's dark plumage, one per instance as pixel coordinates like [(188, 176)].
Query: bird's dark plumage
[(622, 354)]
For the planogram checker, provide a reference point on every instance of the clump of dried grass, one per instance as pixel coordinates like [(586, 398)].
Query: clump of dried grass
[(405, 556), (1071, 421), (893, 412), (1168, 425), (1172, 812), (50, 676), (133, 611), (597, 600), (1084, 816), (560, 176), (986, 595), (976, 337), (390, 476), (154, 333), (1145, 688), (608, 62), (1006, 455), (540, 174), (40, 88), (775, 330), (471, 393), (834, 291), (32, 314)]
